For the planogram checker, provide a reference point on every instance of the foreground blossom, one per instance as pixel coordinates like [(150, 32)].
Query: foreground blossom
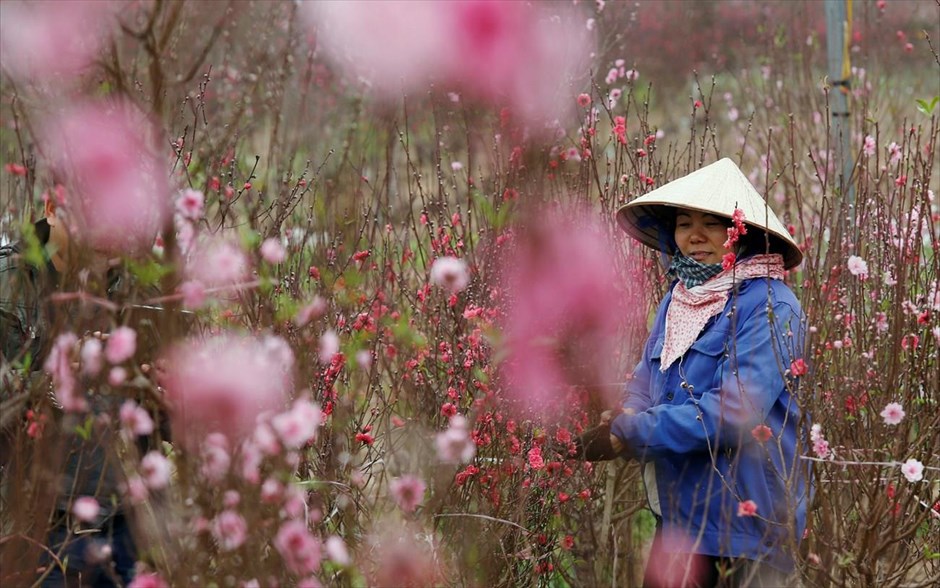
[(454, 444), (86, 509), (857, 267), (300, 549), (913, 470), (107, 153), (155, 470), (135, 420), (221, 384), (408, 492), (230, 530), (122, 343), (450, 273)]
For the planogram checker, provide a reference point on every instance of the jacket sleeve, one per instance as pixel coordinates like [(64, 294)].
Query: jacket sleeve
[(752, 375), (637, 391)]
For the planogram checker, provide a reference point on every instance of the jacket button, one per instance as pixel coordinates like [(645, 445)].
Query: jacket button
[(669, 396)]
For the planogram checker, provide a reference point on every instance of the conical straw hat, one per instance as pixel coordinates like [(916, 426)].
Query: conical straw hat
[(717, 189)]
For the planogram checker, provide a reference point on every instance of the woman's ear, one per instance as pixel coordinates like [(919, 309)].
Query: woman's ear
[(49, 211)]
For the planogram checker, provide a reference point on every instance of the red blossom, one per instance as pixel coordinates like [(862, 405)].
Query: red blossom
[(762, 433), (15, 169), (365, 438), (727, 260), (798, 367)]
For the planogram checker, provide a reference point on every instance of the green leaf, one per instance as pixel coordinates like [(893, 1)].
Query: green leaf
[(927, 107), (32, 252), (148, 273), (84, 430)]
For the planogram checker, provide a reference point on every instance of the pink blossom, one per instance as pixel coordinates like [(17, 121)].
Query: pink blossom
[(893, 414), (147, 581), (314, 310), (121, 346), (536, 462), (631, 75), (107, 153), (117, 376), (403, 556), (584, 100), (266, 440), (86, 509), (450, 273), (190, 204), (220, 384), (135, 419), (612, 75), (454, 444), (868, 147), (408, 492), (894, 152), (217, 262), (762, 433), (329, 346), (506, 52), (913, 470), (336, 550), (820, 445), (230, 530), (300, 549), (216, 459), (273, 252), (194, 294), (92, 357), (155, 470), (45, 40), (271, 490), (364, 359), (857, 267), (298, 426), (58, 365), (561, 330), (135, 489), (748, 508)]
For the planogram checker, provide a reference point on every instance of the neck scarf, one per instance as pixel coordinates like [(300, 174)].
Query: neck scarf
[(690, 272), (691, 308)]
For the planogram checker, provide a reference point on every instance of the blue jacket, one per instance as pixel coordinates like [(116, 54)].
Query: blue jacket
[(694, 422)]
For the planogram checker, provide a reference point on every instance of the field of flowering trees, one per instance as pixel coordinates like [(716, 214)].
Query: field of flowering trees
[(372, 289)]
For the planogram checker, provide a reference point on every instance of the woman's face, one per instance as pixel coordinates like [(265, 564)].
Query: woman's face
[(701, 236)]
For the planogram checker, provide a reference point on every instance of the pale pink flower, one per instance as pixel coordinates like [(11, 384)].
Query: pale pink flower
[(230, 530), (251, 463), (91, 356), (271, 490), (217, 262), (612, 76), (450, 273), (408, 492), (893, 413), (58, 365), (336, 550), (216, 458), (272, 251), (155, 470), (118, 199), (857, 267), (310, 312), (148, 581), (631, 75), (190, 204), (454, 444), (117, 376), (266, 440), (194, 294), (300, 549), (748, 508), (231, 498), (135, 419), (456, 166), (364, 359), (820, 445), (329, 346), (121, 346), (135, 489), (223, 383), (45, 40), (86, 509), (894, 152), (295, 502), (403, 556), (868, 147), (298, 426), (913, 470)]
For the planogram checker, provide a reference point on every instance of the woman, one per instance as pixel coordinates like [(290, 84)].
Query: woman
[(712, 410)]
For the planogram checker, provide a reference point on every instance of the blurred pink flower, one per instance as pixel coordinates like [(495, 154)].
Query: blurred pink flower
[(117, 376), (229, 529), (450, 273), (857, 267), (46, 40), (336, 550), (408, 492), (217, 262), (91, 356), (454, 444), (272, 251), (215, 456), (894, 152), (194, 294), (312, 311), (893, 414), (868, 146), (122, 343), (190, 204), (761, 433), (135, 490), (135, 419), (298, 426), (404, 556), (155, 470), (147, 581), (221, 384), (300, 549), (106, 150), (748, 508), (498, 51), (566, 306), (913, 470), (86, 509), (59, 365), (329, 346)]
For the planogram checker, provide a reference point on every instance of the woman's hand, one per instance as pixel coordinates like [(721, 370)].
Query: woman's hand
[(616, 444), (606, 417)]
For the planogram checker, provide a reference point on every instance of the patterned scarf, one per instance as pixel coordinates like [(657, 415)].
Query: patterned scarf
[(692, 273), (691, 308)]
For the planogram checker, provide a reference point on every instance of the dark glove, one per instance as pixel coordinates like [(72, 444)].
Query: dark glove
[(594, 445)]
